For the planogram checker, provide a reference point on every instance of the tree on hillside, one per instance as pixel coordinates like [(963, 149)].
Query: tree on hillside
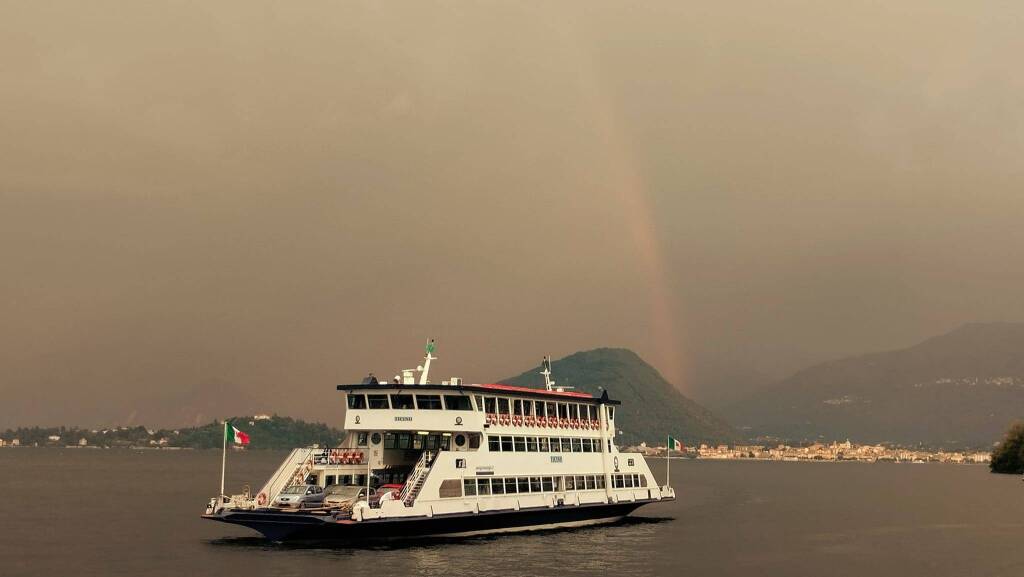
[(1008, 456)]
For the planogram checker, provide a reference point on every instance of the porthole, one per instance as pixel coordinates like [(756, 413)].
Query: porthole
[(460, 440), (375, 438)]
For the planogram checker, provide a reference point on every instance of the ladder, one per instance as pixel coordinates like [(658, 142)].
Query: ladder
[(417, 478)]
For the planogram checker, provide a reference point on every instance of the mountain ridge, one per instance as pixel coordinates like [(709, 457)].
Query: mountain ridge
[(959, 388), (651, 407)]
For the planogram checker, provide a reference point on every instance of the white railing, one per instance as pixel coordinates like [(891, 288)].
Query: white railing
[(416, 479), (297, 465)]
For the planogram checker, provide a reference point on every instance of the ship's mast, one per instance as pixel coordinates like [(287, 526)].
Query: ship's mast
[(425, 370), (549, 383)]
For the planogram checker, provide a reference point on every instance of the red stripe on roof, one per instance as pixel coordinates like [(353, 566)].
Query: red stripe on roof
[(500, 387)]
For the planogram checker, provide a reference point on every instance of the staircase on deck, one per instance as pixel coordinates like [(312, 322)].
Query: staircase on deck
[(418, 477), (292, 471)]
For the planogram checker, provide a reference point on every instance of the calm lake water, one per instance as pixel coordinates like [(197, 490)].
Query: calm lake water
[(75, 512)]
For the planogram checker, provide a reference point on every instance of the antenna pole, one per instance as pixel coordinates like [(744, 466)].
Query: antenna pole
[(426, 362)]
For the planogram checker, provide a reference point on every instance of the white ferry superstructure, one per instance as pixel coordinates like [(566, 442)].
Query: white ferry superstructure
[(469, 459)]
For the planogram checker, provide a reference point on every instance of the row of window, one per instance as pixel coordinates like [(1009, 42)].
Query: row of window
[(358, 480), (625, 481), (490, 405), (508, 444), (519, 485), (379, 478), (420, 442), (531, 408), (406, 401)]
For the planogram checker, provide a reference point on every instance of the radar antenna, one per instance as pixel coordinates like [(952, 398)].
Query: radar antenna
[(549, 383)]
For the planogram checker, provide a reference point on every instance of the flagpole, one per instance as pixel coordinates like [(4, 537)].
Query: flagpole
[(668, 463), (224, 458)]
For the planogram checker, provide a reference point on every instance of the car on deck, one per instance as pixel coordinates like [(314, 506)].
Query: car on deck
[(394, 488), (300, 497), (343, 497)]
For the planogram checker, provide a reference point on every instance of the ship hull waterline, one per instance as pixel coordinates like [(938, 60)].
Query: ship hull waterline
[(282, 526)]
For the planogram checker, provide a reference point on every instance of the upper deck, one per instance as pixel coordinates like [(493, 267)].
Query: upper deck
[(470, 407), (490, 388)]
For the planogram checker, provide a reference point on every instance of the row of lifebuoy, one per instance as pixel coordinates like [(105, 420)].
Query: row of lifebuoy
[(530, 421), (339, 457)]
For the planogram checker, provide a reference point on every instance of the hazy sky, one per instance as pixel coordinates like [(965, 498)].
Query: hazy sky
[(284, 196)]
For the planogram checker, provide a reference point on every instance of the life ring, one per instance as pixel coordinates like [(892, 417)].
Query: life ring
[(261, 499)]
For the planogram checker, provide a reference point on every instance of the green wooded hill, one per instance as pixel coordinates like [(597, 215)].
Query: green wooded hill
[(1008, 456), (274, 433), (268, 433), (651, 407)]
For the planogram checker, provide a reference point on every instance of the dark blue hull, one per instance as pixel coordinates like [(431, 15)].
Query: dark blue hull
[(278, 526)]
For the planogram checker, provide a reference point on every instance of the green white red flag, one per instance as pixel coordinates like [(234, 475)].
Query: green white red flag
[(675, 445), (234, 435)]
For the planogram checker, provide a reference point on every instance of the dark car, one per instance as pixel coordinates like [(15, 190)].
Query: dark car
[(394, 489)]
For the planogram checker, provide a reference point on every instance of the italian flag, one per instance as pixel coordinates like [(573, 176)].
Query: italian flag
[(674, 444), (234, 435)]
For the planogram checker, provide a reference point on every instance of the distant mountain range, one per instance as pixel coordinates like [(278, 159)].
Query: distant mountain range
[(651, 407), (958, 389), (961, 389)]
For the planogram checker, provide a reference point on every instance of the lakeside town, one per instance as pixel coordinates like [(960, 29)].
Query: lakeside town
[(140, 438), (835, 451)]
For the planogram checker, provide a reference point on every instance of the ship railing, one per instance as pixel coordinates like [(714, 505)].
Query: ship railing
[(297, 465), (341, 456), (414, 482)]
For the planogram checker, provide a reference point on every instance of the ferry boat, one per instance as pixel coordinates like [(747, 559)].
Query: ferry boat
[(466, 459)]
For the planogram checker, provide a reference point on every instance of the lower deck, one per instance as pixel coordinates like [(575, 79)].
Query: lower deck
[(281, 526)]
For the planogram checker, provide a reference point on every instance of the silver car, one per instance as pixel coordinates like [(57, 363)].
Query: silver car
[(300, 496), (344, 496)]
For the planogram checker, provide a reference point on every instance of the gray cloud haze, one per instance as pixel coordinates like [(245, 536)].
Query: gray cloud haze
[(284, 197)]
